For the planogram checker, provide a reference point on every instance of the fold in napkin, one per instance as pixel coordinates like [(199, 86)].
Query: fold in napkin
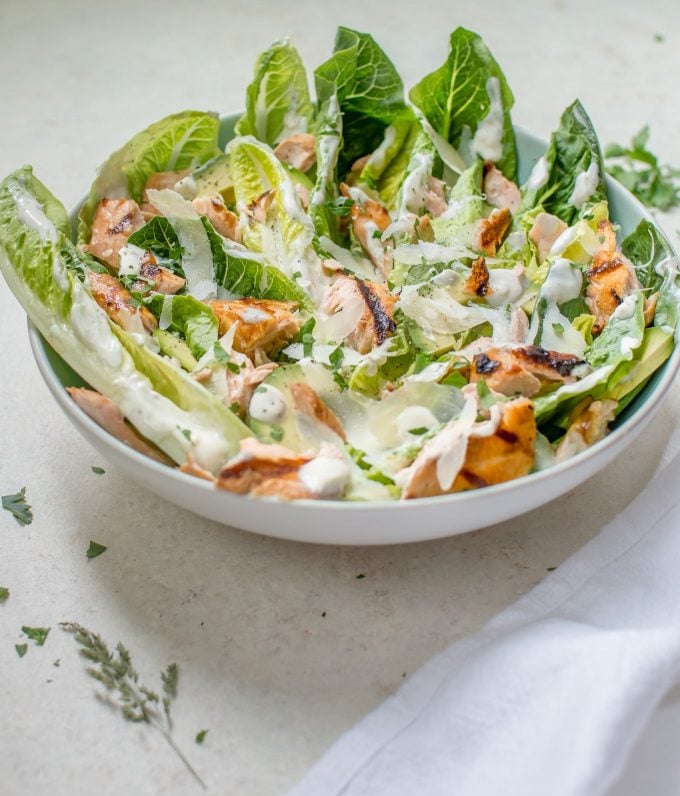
[(551, 696)]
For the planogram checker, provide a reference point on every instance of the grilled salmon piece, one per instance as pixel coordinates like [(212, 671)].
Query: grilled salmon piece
[(261, 324), (522, 370), (611, 278), (368, 218), (589, 426), (492, 230), (241, 385), (435, 197), (264, 470), (499, 190), (478, 281), (114, 221), (215, 210), (117, 302), (503, 455), (377, 320), (164, 280), (306, 400), (298, 151), (545, 230), (106, 414), (164, 179)]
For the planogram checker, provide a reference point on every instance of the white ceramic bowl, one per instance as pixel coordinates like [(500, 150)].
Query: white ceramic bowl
[(336, 522)]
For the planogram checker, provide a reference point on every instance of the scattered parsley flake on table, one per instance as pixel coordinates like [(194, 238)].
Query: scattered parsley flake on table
[(18, 507), (639, 170), (4, 593), (95, 549), (136, 702), (98, 470), (37, 634), (200, 736), (21, 649)]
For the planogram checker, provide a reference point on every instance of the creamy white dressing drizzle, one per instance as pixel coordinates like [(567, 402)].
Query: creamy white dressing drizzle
[(488, 138), (585, 186), (130, 260), (415, 186), (31, 213), (91, 326), (253, 315), (563, 282), (325, 476), (506, 286), (268, 404), (539, 175)]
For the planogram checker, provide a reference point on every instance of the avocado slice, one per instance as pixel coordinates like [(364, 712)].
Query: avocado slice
[(174, 347), (213, 177), (656, 347)]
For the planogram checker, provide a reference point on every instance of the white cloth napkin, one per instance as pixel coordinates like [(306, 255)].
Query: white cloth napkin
[(550, 697)]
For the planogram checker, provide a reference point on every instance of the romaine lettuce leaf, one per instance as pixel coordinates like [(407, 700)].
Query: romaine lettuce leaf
[(244, 273), (368, 88), (165, 405), (328, 130), (159, 237), (277, 101), (621, 335), (285, 236), (646, 247), (468, 101), (181, 141), (571, 175)]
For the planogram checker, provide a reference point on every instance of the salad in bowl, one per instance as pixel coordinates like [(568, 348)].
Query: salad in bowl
[(355, 299)]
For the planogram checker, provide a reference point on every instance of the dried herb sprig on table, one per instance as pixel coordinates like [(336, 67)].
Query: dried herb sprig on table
[(114, 670)]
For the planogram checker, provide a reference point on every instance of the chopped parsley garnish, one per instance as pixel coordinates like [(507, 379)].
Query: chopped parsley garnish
[(186, 433), (98, 470), (95, 549), (235, 408), (484, 394), (297, 275), (4, 593), (336, 357), (276, 433), (455, 380), (658, 38), (306, 336), (340, 206), (418, 431), (21, 649), (261, 389), (558, 329), (221, 355), (376, 234), (37, 634), (639, 170), (233, 367), (200, 736), (18, 507)]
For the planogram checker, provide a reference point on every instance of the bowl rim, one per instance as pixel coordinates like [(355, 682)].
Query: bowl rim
[(669, 371)]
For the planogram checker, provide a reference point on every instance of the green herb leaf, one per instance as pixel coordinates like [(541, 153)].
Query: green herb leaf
[(276, 433), (221, 355), (558, 329), (4, 593), (98, 470), (306, 336), (37, 634), (21, 649), (200, 736), (639, 171), (233, 367), (336, 357), (95, 549), (341, 206), (186, 433), (18, 507), (418, 431)]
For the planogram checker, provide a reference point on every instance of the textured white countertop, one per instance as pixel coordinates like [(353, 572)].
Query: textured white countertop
[(280, 646)]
